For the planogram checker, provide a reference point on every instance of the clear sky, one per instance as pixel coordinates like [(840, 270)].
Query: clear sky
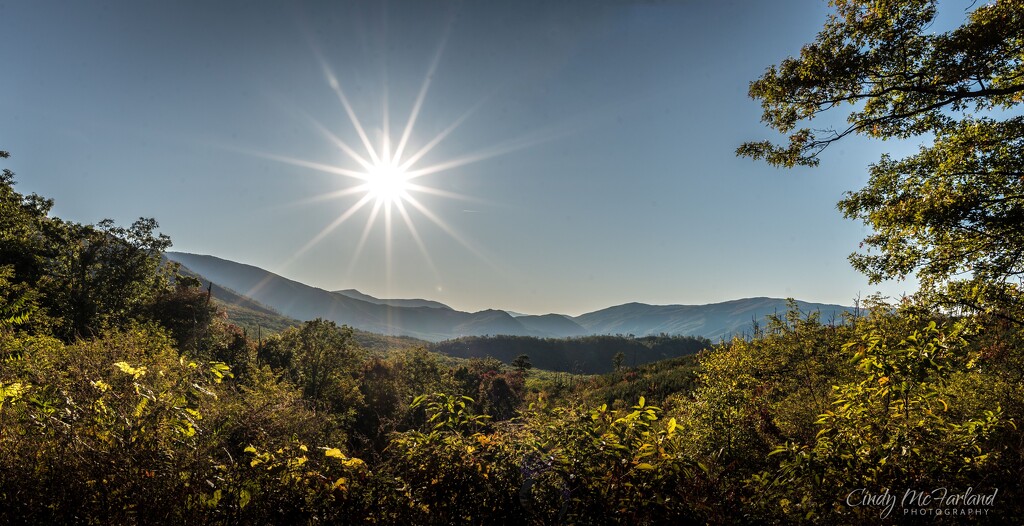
[(589, 144)]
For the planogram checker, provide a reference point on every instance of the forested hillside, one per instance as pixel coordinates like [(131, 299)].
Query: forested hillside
[(587, 355)]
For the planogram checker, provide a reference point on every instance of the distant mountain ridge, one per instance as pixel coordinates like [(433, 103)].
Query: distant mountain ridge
[(355, 294), (435, 321), (304, 302), (555, 324), (714, 320)]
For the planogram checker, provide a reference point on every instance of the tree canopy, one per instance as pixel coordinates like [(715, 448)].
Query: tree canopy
[(954, 212), (81, 278)]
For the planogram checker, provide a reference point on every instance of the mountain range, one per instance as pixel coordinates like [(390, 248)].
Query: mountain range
[(434, 321)]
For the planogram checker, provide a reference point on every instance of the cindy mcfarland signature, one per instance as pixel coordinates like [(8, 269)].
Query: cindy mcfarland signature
[(921, 502)]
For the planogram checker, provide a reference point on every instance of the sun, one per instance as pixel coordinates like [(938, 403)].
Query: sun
[(387, 183), (387, 175)]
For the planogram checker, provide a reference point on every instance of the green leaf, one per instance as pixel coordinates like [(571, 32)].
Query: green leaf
[(140, 407)]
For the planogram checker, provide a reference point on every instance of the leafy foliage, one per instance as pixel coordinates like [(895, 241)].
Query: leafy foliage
[(957, 206), (614, 466), (902, 79), (656, 381), (900, 422)]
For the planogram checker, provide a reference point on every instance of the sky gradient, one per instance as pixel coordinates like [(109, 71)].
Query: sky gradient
[(601, 134)]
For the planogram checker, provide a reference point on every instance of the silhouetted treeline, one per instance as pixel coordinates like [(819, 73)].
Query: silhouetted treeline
[(587, 355)]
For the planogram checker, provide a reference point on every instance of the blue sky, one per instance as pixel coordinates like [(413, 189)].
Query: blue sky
[(602, 132)]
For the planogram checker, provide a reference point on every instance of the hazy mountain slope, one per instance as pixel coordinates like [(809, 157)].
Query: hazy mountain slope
[(437, 324), (303, 302), (255, 322), (289, 297), (554, 324), (243, 311), (355, 294), (495, 322), (716, 320), (258, 319)]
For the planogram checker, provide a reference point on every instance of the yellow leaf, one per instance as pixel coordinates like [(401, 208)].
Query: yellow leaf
[(354, 463), (128, 369), (334, 452)]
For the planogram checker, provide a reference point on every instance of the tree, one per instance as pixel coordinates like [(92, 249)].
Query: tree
[(956, 207), (322, 360), (26, 235), (87, 277), (522, 363), (187, 312), (103, 275)]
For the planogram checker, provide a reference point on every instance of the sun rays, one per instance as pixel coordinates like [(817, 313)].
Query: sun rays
[(384, 177), (381, 174)]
